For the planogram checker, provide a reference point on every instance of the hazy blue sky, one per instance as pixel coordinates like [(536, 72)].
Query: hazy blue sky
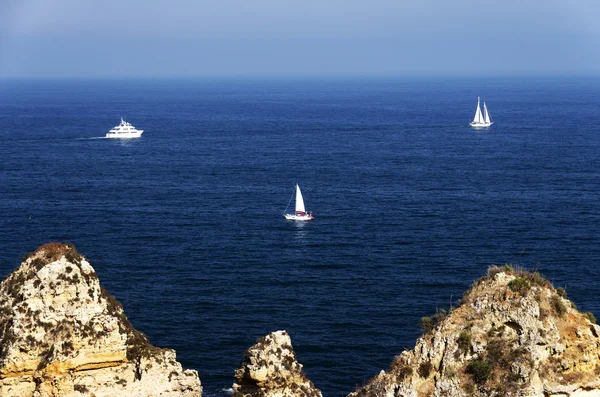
[(309, 37)]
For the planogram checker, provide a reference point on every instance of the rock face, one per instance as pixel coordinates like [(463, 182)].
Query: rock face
[(512, 335), (62, 334), (270, 369)]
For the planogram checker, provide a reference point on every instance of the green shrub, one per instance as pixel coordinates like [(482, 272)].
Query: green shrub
[(493, 270), (425, 369), (38, 264), (559, 307), (464, 341), (590, 316), (439, 316), (495, 351), (426, 324), (405, 372), (519, 285), (508, 268), (561, 292), (573, 305), (513, 355), (538, 279), (480, 370)]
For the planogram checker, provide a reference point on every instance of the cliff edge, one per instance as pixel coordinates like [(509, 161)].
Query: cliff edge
[(62, 334), (513, 334)]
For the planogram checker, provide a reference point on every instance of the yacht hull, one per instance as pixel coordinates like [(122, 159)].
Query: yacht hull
[(128, 135)]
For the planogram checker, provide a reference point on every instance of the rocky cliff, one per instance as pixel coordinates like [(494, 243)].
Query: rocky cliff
[(270, 369), (62, 334), (513, 334)]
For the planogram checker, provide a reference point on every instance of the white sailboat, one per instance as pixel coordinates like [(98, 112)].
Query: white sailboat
[(481, 119), (300, 214)]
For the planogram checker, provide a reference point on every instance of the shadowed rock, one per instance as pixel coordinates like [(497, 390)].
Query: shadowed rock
[(62, 334)]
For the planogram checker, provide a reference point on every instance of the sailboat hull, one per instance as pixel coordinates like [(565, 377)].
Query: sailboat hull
[(480, 125), (298, 217)]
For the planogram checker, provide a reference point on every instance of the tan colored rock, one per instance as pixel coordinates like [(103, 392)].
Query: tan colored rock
[(62, 334), (270, 369), (513, 335)]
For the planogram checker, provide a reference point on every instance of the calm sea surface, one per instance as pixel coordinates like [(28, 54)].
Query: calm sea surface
[(184, 225)]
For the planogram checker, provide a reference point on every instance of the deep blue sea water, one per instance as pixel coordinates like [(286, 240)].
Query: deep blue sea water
[(184, 225)]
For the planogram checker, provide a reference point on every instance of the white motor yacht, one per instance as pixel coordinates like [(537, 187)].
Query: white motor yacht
[(124, 131)]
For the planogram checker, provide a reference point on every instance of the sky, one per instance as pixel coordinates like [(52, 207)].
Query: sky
[(186, 38)]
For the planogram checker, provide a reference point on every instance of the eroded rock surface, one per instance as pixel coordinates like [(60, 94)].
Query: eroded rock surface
[(62, 334), (514, 334), (270, 369)]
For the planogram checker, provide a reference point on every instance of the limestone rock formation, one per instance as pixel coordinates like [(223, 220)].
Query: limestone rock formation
[(62, 334), (270, 369), (514, 334)]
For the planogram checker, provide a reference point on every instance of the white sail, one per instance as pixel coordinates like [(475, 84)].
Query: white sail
[(300, 214), (299, 200), (478, 118), (486, 114)]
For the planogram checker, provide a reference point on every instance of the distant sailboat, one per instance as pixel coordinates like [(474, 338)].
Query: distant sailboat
[(481, 119), (300, 214)]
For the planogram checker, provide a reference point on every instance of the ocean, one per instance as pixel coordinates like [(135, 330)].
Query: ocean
[(184, 226)]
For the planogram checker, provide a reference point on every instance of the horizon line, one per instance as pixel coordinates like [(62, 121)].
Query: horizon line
[(301, 76)]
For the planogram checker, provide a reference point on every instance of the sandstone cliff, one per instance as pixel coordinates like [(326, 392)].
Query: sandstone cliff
[(62, 334), (270, 369), (513, 334)]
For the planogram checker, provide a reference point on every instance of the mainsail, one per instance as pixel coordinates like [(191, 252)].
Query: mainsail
[(478, 118), (299, 200)]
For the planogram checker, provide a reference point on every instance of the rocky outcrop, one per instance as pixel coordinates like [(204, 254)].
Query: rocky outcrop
[(270, 369), (513, 334), (62, 334)]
